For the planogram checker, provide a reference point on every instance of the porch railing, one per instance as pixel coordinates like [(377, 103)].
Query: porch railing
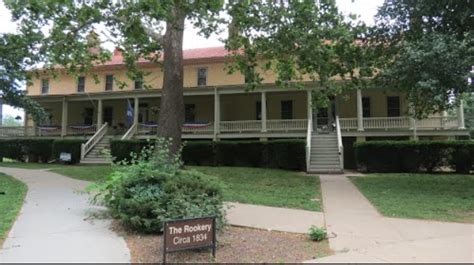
[(287, 125), (81, 129), (348, 123), (386, 123), (16, 131), (130, 132), (241, 126)]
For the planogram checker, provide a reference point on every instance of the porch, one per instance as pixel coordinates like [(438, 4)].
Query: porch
[(233, 113)]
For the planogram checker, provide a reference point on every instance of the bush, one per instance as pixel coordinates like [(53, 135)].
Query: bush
[(152, 189), (37, 150), (12, 149), (239, 153), (317, 233), (282, 154), (122, 149), (411, 156), (285, 154), (200, 153), (72, 146)]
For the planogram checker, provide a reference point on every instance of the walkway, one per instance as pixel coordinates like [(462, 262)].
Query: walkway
[(56, 224), (273, 218), (360, 234)]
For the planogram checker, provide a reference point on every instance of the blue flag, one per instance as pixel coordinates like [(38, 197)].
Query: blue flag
[(129, 114)]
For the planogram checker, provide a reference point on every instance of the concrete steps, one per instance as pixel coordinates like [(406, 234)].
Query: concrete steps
[(324, 154), (100, 153)]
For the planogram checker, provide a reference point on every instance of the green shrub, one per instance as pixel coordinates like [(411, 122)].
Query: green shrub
[(38, 150), (122, 149), (285, 154), (72, 146), (282, 154), (317, 233), (11, 148), (239, 153), (152, 189), (200, 153), (411, 156)]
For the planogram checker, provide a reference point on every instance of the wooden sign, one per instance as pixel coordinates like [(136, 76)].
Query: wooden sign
[(189, 234)]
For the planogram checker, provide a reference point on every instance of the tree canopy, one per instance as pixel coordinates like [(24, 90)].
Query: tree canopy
[(291, 38), (427, 51)]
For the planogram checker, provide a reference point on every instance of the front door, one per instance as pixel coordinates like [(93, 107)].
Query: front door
[(325, 118), (108, 115)]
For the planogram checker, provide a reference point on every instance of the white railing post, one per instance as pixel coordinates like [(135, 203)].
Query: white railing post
[(310, 107), (64, 117), (339, 143), (360, 112), (217, 113), (99, 113), (461, 124), (308, 144), (263, 106)]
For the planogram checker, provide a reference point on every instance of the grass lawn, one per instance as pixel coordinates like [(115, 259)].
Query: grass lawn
[(423, 196), (84, 172), (12, 193), (28, 165), (270, 187)]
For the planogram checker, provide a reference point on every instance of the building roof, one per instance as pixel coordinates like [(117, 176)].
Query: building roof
[(190, 56)]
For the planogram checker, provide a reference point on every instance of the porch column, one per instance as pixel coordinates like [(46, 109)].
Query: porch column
[(461, 115), (360, 113), (64, 117), (264, 111), (217, 113), (136, 107), (310, 107), (99, 113)]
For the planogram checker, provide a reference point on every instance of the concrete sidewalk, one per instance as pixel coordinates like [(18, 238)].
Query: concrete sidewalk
[(55, 224), (358, 233), (273, 218)]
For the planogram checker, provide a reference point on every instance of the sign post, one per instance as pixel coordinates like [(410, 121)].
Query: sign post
[(189, 234)]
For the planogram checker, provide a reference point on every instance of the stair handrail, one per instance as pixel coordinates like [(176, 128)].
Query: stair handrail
[(308, 143), (85, 148), (130, 132), (339, 143)]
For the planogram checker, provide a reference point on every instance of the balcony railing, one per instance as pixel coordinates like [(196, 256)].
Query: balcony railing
[(240, 126), (387, 123)]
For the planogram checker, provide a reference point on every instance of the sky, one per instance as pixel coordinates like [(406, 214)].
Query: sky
[(365, 9)]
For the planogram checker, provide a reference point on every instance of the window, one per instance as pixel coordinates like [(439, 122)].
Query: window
[(81, 83), (109, 82), (189, 113), (258, 110), (44, 86), (393, 106), (202, 76), (287, 109), (139, 83), (366, 106)]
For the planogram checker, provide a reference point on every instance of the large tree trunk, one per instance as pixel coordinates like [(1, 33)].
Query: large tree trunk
[(171, 116)]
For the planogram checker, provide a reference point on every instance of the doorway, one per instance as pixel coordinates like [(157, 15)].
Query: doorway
[(324, 118)]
